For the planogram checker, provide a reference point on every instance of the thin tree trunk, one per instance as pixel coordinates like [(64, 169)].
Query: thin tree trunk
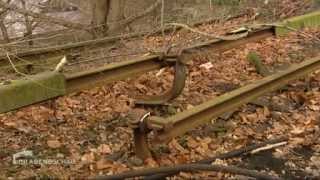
[(100, 13), (28, 25), (117, 9), (3, 28), (4, 31)]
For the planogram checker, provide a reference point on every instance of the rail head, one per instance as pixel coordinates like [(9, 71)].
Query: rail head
[(111, 66)]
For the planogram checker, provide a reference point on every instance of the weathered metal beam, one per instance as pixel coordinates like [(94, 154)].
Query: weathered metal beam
[(111, 73), (201, 114), (122, 70), (127, 69), (223, 45)]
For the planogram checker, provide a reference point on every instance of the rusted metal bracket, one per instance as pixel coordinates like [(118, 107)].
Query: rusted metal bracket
[(180, 75)]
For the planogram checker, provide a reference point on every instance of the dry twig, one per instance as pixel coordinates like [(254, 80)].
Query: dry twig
[(189, 168), (225, 38), (231, 154)]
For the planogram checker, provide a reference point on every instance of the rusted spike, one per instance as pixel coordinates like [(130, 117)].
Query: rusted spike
[(177, 87)]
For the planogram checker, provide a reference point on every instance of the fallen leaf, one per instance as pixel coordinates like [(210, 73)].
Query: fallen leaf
[(314, 107), (176, 146), (160, 72), (298, 130), (315, 161), (207, 66), (88, 158), (296, 141), (54, 144), (192, 143), (103, 164), (104, 149), (150, 162)]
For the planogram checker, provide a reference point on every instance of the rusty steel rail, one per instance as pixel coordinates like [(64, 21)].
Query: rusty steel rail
[(112, 72), (123, 70), (171, 127), (223, 45), (128, 69)]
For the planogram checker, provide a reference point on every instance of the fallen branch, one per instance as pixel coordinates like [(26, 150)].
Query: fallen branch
[(268, 147), (231, 154), (61, 64), (189, 168), (225, 38)]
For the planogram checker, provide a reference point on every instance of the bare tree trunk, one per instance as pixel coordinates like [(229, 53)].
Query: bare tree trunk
[(107, 11), (28, 24), (117, 9), (4, 31), (3, 28), (100, 13)]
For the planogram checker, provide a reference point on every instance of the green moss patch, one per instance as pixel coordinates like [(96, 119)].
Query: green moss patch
[(31, 90), (299, 22)]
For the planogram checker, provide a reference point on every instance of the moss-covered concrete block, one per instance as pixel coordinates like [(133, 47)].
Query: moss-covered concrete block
[(299, 22), (33, 89)]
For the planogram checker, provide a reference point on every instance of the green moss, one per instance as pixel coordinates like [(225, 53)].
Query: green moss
[(255, 60), (35, 89), (300, 22)]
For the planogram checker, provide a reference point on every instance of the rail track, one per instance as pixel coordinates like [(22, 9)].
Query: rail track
[(171, 127), (168, 128), (122, 70), (119, 71)]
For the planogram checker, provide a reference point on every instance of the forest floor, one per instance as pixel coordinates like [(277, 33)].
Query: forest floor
[(88, 135)]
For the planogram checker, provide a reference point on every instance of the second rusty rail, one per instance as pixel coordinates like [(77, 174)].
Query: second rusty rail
[(123, 70), (171, 127)]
